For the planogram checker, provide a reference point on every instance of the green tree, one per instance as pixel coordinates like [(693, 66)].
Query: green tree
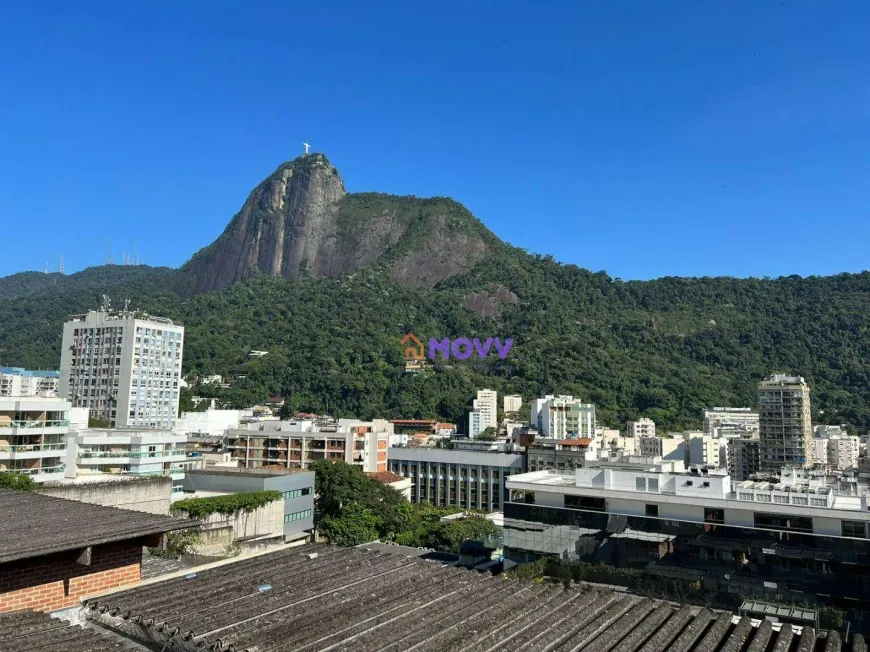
[(16, 481), (97, 422), (354, 526), (488, 434)]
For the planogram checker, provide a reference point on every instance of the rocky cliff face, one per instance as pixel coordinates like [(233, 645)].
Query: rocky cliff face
[(301, 221)]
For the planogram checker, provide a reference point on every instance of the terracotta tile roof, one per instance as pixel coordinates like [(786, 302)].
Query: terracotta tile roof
[(385, 476), (583, 441)]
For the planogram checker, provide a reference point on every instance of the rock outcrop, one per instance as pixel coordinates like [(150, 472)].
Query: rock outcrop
[(301, 221)]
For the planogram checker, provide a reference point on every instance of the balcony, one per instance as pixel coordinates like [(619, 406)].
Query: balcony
[(133, 455), (58, 423), (32, 448)]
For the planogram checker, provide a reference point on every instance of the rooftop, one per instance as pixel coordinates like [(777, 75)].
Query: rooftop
[(318, 597), (250, 473), (386, 477), (30, 630), (36, 525)]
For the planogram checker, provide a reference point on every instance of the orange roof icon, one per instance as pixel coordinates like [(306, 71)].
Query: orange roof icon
[(415, 351)]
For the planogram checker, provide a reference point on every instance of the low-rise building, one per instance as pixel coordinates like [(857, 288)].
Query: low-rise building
[(209, 423), (668, 448), (17, 381), (731, 422), (296, 486), (33, 433), (137, 452), (786, 541), (560, 454), (53, 551), (397, 482), (296, 444), (444, 477)]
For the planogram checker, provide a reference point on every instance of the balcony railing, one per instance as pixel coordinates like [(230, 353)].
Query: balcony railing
[(132, 454), (29, 448), (58, 423), (39, 471)]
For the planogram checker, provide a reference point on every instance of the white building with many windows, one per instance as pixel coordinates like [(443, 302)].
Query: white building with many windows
[(125, 367), (33, 434), (138, 452), (15, 381), (561, 417), (487, 404)]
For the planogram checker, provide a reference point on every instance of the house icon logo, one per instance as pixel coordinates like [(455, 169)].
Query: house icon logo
[(414, 350)]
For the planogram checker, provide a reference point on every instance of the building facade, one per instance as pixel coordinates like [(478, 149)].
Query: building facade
[(560, 454), (785, 428), (97, 451), (668, 448), (784, 542), (445, 477), (297, 487), (487, 404), (125, 367), (731, 422), (641, 428), (16, 381), (565, 417), (475, 423), (296, 444), (33, 433), (843, 452), (512, 403), (744, 458)]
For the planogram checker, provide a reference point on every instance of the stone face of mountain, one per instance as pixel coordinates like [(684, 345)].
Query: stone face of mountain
[(301, 221)]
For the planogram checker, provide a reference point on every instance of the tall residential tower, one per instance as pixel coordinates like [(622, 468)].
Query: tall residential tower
[(124, 366), (784, 422)]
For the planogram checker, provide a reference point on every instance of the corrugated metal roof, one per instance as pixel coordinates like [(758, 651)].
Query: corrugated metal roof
[(325, 598), (36, 525), (26, 631)]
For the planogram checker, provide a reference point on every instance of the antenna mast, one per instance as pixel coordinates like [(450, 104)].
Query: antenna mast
[(109, 252), (60, 265)]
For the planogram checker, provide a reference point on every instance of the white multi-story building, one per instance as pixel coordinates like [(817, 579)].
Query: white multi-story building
[(487, 403), (475, 423), (210, 423), (704, 450), (125, 367), (641, 428), (15, 381), (731, 422), (33, 432), (820, 452), (560, 417), (138, 452), (671, 449), (512, 403)]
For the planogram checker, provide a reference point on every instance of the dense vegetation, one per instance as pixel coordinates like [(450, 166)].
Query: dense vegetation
[(200, 508), (666, 349), (350, 509), (16, 481)]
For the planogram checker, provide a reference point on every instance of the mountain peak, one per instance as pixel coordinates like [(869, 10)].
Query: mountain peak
[(301, 221)]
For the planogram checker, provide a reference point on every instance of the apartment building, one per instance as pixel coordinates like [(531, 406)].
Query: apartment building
[(16, 381), (475, 423), (731, 422), (95, 451), (444, 477), (33, 432), (487, 404), (296, 444), (668, 448), (704, 450), (512, 403), (842, 452), (784, 422), (641, 428), (561, 417), (786, 541), (560, 454), (744, 458), (124, 366)]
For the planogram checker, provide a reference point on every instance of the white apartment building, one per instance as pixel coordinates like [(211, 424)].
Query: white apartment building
[(487, 403), (561, 417), (731, 422), (124, 367), (475, 423), (210, 423), (512, 403), (820, 452), (641, 428), (296, 444), (33, 432), (704, 450), (139, 452), (16, 381)]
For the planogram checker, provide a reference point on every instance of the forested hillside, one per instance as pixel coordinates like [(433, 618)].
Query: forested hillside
[(666, 349)]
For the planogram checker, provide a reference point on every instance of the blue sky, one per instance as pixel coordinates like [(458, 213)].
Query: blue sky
[(642, 138)]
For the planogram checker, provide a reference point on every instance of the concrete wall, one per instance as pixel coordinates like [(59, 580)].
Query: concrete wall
[(220, 530), (149, 495)]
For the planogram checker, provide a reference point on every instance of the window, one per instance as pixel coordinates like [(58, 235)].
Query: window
[(783, 522), (712, 515), (585, 502), (297, 493), (653, 485), (297, 516), (640, 484), (652, 510), (706, 484), (854, 529)]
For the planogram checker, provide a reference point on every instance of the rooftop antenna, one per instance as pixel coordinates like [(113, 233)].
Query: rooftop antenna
[(46, 268), (307, 146), (136, 251), (109, 252), (60, 265), (106, 305)]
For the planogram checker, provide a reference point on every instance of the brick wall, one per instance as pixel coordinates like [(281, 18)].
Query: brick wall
[(57, 581)]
